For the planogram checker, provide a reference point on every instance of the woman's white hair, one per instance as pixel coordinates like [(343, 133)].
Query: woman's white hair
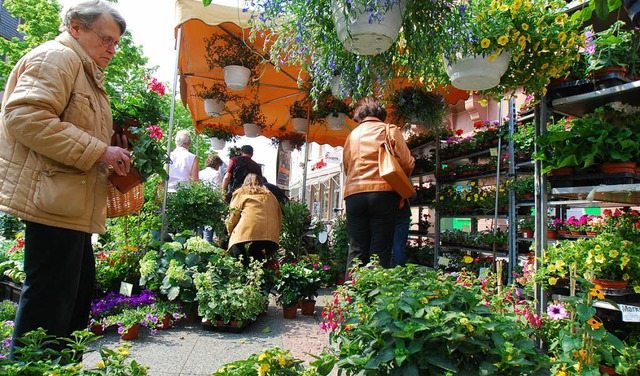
[(183, 138), (86, 12)]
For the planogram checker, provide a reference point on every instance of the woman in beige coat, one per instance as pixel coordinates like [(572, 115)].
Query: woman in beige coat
[(254, 221)]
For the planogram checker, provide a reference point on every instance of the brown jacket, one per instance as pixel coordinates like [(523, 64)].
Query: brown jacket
[(253, 217), (360, 156), (55, 124)]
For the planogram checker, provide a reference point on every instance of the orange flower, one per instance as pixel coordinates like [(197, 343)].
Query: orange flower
[(596, 292), (594, 323)]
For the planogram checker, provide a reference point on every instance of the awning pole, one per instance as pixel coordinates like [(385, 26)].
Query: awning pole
[(306, 157), (174, 90)]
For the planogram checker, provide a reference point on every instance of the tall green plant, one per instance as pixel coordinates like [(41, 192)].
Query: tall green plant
[(295, 216), (194, 205)]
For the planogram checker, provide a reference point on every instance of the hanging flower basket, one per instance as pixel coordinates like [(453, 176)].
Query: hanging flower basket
[(251, 130), (213, 107), (286, 145), (337, 121), (477, 72), (299, 125), (236, 77), (367, 35), (216, 143)]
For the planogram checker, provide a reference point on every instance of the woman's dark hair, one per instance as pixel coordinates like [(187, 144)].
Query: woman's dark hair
[(369, 107)]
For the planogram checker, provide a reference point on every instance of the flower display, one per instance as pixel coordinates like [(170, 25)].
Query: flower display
[(417, 105), (148, 154), (274, 361), (219, 131)]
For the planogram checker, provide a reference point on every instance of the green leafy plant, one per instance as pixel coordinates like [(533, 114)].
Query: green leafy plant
[(148, 153), (219, 131), (612, 47), (417, 105), (228, 291), (214, 91), (329, 105), (295, 219), (250, 112), (223, 50), (274, 361), (290, 285), (195, 204)]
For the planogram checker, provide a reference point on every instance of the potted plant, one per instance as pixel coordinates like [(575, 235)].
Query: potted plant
[(252, 118), (214, 96), (235, 56), (295, 221), (299, 111), (228, 293), (289, 141), (527, 225), (416, 105), (333, 110), (218, 134), (613, 49), (290, 288), (194, 205), (507, 34), (275, 360)]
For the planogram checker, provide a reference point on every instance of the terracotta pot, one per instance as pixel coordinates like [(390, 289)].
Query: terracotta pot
[(577, 233), (564, 171), (608, 370), (340, 279), (290, 312), (165, 323), (609, 284), (552, 234), (132, 333), (564, 232), (620, 71), (527, 196), (308, 307), (591, 233), (125, 183), (97, 329), (527, 234), (618, 167)]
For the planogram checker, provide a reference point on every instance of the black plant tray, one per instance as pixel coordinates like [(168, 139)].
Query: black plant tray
[(610, 80), (10, 290), (227, 328), (567, 89), (590, 179)]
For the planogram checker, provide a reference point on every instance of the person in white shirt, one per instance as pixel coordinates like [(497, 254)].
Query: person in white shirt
[(212, 173), (184, 164)]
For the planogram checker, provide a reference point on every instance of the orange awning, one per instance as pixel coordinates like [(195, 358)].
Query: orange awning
[(277, 88)]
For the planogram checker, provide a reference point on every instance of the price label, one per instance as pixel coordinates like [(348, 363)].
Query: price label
[(126, 288), (443, 261), (629, 313)]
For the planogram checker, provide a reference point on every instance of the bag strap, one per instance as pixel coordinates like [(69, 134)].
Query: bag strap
[(387, 141)]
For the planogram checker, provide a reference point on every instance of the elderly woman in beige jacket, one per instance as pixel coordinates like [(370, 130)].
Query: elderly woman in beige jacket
[(254, 222)]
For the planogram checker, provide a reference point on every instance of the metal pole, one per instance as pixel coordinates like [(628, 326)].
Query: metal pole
[(512, 217), (174, 89), (306, 158)]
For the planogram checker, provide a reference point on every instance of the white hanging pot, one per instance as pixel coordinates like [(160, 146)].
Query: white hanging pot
[(236, 77), (299, 125), (213, 107), (337, 121), (286, 145), (368, 38), (251, 130), (216, 143), (476, 72)]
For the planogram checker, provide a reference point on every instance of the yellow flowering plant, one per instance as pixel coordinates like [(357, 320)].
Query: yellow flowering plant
[(274, 361), (542, 39)]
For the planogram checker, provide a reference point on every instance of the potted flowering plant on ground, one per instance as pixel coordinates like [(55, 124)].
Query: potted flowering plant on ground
[(290, 286)]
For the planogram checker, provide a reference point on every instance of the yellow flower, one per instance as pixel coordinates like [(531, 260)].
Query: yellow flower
[(562, 36), (560, 265), (100, 364), (263, 356), (613, 253), (263, 369), (525, 26), (527, 6), (553, 268), (596, 292), (124, 352), (560, 373), (625, 260), (503, 40), (636, 289), (553, 281), (522, 41), (281, 360), (599, 259), (594, 323), (560, 19), (504, 8), (467, 259), (485, 42), (484, 103), (544, 66)]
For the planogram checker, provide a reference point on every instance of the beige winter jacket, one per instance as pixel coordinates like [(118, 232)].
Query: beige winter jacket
[(253, 217), (55, 124), (360, 156)]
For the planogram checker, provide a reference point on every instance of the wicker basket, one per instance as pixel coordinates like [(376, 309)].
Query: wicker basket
[(121, 204)]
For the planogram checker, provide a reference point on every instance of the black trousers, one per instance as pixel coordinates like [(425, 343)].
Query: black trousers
[(260, 250), (60, 277), (371, 221)]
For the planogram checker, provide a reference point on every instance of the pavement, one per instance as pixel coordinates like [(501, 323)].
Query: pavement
[(187, 349)]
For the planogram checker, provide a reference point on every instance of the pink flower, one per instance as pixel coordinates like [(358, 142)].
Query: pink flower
[(557, 312), (155, 132), (156, 86)]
